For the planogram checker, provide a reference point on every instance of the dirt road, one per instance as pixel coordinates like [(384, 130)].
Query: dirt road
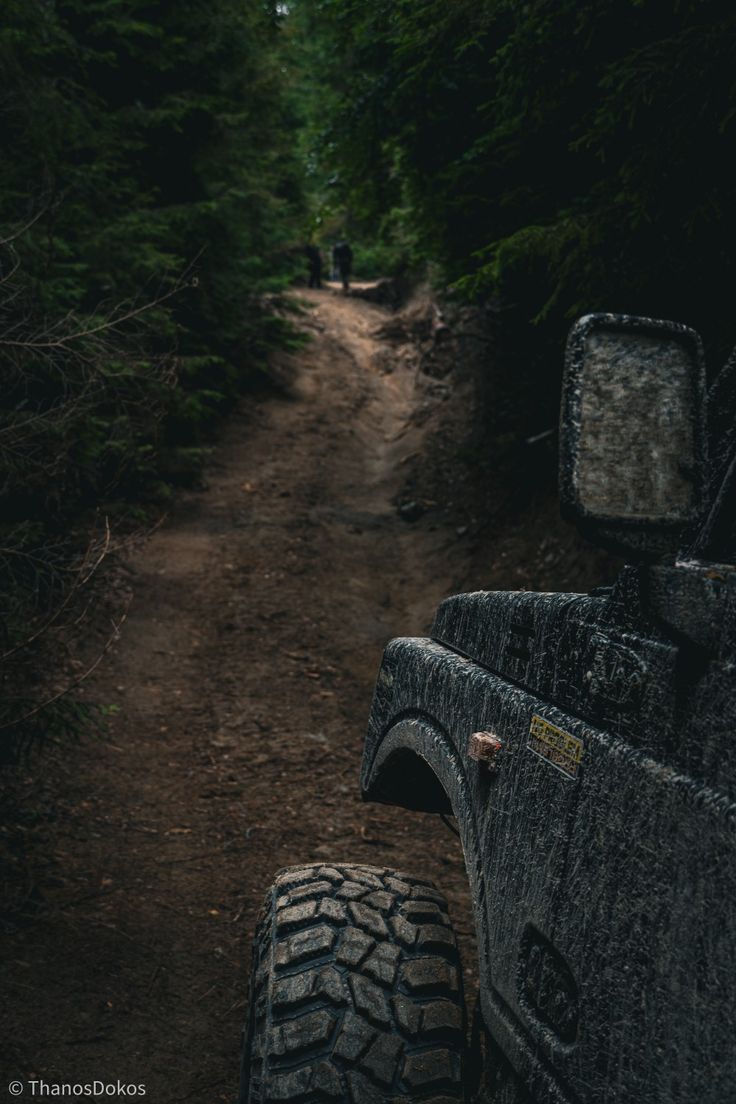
[(236, 699)]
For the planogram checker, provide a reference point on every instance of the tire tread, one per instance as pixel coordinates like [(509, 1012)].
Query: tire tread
[(356, 992)]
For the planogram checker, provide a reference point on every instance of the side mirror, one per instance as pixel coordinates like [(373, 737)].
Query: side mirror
[(632, 433)]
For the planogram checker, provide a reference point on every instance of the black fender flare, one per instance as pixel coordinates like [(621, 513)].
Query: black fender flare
[(416, 765)]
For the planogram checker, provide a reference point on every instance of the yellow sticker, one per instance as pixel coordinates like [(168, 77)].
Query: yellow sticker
[(559, 748)]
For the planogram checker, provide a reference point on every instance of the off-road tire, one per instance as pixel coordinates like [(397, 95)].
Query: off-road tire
[(356, 992)]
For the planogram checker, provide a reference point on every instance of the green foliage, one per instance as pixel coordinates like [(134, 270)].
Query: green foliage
[(108, 710), (150, 190), (564, 156)]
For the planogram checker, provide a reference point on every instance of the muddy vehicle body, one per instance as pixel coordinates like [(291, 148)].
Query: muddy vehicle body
[(586, 745)]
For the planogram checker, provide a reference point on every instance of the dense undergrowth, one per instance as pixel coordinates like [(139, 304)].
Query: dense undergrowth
[(150, 195)]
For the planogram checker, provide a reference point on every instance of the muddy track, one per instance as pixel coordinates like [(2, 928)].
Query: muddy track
[(240, 690)]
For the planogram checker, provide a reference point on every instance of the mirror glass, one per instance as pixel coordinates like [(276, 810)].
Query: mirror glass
[(637, 442)]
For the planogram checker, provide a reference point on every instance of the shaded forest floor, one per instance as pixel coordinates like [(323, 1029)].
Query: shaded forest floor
[(336, 515)]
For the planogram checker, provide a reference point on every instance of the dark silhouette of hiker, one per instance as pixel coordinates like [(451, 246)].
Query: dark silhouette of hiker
[(314, 260), (342, 259)]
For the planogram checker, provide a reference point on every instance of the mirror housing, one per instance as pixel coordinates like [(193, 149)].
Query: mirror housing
[(632, 433)]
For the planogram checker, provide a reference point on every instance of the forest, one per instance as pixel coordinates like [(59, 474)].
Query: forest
[(163, 167), (222, 491)]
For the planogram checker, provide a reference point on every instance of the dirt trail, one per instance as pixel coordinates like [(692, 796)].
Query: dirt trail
[(241, 687)]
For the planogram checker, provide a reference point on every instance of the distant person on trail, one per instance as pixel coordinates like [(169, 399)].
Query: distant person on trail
[(342, 259), (314, 260)]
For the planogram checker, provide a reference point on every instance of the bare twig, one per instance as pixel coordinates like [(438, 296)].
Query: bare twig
[(80, 581), (73, 685), (23, 229)]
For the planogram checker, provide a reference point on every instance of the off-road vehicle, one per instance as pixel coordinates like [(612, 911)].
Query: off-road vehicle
[(586, 745)]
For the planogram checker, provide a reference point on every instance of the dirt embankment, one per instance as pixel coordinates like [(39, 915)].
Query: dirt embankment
[(338, 512)]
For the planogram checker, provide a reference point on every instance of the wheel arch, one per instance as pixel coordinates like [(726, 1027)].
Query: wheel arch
[(416, 766)]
